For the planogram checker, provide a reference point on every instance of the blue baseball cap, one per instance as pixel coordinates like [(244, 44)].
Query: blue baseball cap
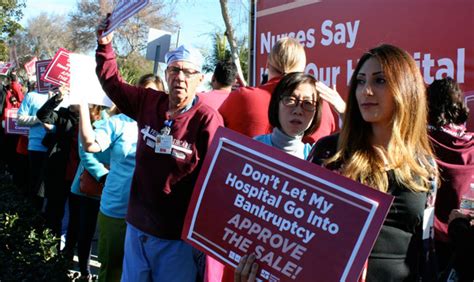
[(185, 53)]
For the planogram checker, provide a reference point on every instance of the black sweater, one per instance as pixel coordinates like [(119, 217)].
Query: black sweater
[(398, 247)]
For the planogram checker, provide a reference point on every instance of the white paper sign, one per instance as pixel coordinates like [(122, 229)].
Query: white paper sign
[(84, 82)]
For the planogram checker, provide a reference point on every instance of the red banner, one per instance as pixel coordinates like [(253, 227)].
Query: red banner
[(58, 71), (251, 197), (42, 86), (30, 66), (336, 33), (124, 10), (11, 126)]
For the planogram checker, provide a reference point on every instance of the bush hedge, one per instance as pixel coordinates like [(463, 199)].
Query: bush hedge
[(27, 249)]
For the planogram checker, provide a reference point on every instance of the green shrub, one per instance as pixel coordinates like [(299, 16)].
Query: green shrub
[(27, 249)]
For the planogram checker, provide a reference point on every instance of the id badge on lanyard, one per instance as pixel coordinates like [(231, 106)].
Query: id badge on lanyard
[(164, 140)]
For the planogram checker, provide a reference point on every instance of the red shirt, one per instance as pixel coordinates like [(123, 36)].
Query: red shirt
[(13, 98), (246, 111), (162, 184), (17, 91), (214, 98)]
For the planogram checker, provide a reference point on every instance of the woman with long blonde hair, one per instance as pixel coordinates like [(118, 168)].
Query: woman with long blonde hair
[(384, 144)]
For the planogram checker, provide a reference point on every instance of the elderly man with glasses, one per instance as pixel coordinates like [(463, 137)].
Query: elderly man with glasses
[(175, 132)]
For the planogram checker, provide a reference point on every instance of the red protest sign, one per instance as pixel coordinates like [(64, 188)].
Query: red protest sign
[(469, 100), (11, 126), (42, 86), (30, 66), (250, 197), (5, 67), (58, 71), (123, 11)]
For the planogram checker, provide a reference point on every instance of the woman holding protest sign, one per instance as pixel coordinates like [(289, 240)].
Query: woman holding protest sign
[(384, 144), (294, 112)]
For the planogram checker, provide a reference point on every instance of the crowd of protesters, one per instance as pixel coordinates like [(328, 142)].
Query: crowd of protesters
[(131, 169)]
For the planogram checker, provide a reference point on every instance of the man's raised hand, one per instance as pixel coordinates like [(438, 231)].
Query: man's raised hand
[(104, 40)]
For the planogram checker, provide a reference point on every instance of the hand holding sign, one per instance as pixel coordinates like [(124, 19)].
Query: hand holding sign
[(123, 11), (246, 270), (103, 25), (60, 92)]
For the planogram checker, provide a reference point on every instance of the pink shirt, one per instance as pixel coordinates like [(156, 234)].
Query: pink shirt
[(214, 98)]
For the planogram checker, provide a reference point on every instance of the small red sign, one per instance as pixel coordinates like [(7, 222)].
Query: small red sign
[(124, 10), (30, 66), (253, 198), (11, 125), (5, 67), (58, 71), (469, 99), (42, 86)]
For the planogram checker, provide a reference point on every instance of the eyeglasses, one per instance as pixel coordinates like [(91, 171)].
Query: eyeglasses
[(188, 73), (293, 102)]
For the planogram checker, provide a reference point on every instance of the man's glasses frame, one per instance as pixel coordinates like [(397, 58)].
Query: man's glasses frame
[(188, 73)]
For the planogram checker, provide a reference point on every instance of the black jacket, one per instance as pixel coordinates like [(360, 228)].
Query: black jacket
[(461, 234), (59, 142)]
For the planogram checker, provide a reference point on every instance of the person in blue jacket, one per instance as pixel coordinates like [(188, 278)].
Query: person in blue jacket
[(119, 135), (37, 152)]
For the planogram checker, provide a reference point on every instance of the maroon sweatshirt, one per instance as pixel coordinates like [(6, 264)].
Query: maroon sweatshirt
[(455, 159), (162, 184)]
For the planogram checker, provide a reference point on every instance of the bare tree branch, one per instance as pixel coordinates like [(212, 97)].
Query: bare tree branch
[(232, 42)]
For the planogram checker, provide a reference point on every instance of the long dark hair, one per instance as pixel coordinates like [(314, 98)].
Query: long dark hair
[(445, 103)]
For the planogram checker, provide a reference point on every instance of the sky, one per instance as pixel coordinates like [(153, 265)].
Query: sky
[(198, 19)]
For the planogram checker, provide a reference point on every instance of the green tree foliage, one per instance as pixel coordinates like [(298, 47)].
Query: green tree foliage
[(133, 67), (10, 14), (221, 51), (27, 250)]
